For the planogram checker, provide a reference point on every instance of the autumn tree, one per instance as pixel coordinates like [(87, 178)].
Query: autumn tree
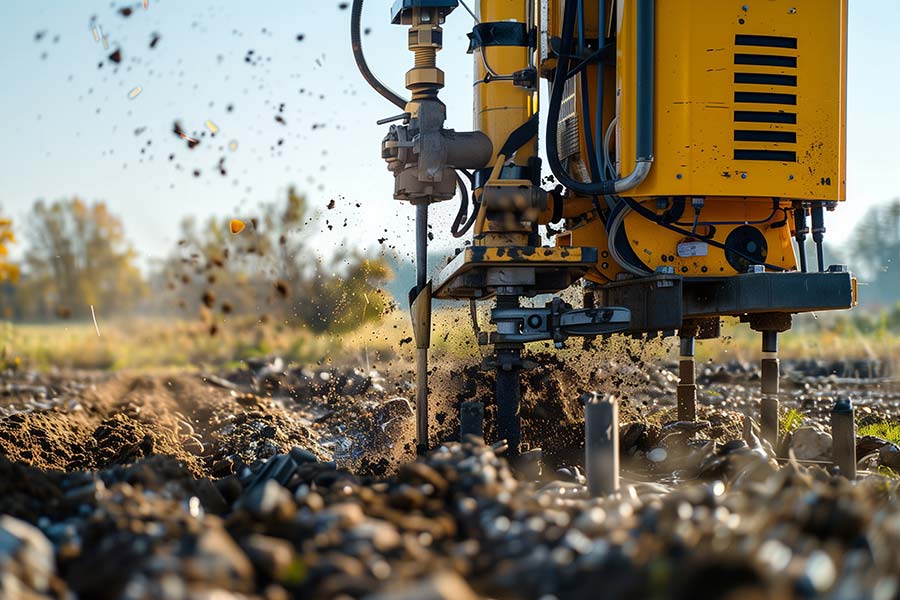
[(77, 257), (268, 269), (8, 271)]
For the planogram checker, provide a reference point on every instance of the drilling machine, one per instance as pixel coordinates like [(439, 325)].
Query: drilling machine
[(695, 143)]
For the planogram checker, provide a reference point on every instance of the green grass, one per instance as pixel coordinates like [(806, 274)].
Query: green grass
[(886, 430), (791, 420)]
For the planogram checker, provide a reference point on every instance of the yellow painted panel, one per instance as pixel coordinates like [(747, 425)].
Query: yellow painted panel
[(702, 87), (656, 246)]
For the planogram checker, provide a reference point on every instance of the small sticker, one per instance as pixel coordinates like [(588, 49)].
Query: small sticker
[(689, 249)]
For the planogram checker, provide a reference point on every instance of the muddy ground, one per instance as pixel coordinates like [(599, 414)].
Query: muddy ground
[(273, 482)]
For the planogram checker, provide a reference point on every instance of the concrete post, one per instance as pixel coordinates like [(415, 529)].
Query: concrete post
[(601, 447), (843, 435)]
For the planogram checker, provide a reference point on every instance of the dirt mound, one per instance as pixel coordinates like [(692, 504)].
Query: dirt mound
[(132, 417), (551, 408)]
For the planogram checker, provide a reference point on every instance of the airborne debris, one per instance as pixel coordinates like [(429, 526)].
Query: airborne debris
[(236, 226), (282, 288), (116, 56), (135, 92), (213, 128), (208, 299), (94, 318), (179, 131)]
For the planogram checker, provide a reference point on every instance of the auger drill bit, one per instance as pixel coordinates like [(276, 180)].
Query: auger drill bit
[(508, 364), (420, 308)]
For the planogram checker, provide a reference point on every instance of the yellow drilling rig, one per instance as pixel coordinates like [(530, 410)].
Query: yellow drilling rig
[(696, 145)]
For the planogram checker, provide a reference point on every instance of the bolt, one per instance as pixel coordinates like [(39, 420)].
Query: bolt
[(743, 176), (678, 176), (745, 8)]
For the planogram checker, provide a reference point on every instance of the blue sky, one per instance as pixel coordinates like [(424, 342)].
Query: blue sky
[(69, 127)]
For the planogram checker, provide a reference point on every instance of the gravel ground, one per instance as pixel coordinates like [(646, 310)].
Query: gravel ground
[(272, 484)]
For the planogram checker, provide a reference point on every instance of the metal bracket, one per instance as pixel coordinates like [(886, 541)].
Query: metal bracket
[(557, 321)]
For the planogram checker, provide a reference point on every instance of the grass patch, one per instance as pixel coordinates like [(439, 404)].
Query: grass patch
[(886, 430), (791, 420), (148, 343)]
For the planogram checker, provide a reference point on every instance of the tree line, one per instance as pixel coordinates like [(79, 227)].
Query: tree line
[(76, 255)]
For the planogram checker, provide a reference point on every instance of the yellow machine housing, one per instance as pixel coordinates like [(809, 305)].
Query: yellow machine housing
[(749, 120), (750, 98)]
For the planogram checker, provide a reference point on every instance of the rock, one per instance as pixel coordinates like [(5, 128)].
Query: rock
[(210, 497), (26, 554), (631, 436), (684, 427), (889, 456), (230, 488), (418, 473), (274, 557), (442, 586), (219, 560), (382, 535), (870, 444), (280, 467), (270, 501), (657, 455), (811, 443), (303, 456)]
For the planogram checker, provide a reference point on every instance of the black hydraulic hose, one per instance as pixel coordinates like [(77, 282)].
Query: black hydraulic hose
[(645, 91), (461, 224), (586, 127), (356, 43), (644, 102)]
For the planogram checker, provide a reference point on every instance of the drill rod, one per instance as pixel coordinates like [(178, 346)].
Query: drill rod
[(422, 353), (769, 419)]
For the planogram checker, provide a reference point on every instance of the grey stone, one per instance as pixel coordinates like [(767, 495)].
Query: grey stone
[(811, 443), (26, 552)]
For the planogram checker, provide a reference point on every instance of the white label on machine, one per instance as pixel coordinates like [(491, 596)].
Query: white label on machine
[(688, 249)]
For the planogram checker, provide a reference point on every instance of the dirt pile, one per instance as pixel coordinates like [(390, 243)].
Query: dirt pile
[(132, 417)]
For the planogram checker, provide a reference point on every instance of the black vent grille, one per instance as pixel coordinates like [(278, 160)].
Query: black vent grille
[(769, 57)]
